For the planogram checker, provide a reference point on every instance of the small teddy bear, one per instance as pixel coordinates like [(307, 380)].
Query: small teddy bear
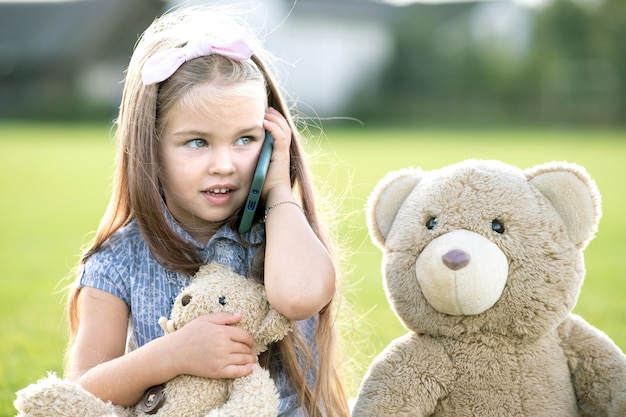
[(483, 263), (215, 288)]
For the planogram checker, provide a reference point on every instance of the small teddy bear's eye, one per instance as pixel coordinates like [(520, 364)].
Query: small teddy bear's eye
[(186, 299), (222, 300), (431, 223), (497, 226)]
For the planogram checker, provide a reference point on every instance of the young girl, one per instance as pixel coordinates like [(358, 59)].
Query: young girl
[(197, 100)]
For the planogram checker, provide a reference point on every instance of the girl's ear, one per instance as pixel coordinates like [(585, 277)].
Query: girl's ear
[(387, 198)]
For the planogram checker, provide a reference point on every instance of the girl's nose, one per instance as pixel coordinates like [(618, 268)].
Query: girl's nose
[(221, 161)]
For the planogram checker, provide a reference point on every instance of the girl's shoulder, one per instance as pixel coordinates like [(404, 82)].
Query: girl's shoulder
[(125, 247), (126, 237), (123, 265)]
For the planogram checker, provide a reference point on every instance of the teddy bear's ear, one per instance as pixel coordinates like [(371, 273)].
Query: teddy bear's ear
[(385, 201), (274, 327), (573, 194)]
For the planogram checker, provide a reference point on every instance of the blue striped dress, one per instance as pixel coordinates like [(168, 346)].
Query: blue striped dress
[(124, 267)]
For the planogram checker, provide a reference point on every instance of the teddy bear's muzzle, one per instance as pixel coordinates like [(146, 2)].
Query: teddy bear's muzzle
[(462, 273)]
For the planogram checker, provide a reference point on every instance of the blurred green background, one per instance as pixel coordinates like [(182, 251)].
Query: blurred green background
[(55, 180)]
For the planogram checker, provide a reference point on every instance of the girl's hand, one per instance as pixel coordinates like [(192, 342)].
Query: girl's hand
[(278, 172), (210, 347)]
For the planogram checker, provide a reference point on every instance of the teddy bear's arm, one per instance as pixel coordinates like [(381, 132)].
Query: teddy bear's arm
[(407, 379), (252, 395), (598, 368)]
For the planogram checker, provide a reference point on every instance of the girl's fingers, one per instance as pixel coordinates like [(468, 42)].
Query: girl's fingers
[(238, 371), (277, 125), (237, 335)]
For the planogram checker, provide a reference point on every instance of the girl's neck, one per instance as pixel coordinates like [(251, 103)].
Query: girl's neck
[(203, 233)]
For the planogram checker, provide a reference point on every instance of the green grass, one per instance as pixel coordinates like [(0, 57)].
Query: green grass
[(55, 185)]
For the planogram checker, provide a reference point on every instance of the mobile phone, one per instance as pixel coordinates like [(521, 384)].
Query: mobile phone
[(257, 184)]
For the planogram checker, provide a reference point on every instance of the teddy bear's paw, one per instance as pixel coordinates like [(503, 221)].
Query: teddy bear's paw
[(260, 410), (55, 397), (167, 325), (251, 395)]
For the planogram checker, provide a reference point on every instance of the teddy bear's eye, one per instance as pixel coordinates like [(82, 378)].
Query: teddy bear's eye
[(497, 226), (431, 223), (222, 300), (185, 300)]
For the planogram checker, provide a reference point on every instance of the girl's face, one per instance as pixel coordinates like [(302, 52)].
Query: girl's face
[(208, 152)]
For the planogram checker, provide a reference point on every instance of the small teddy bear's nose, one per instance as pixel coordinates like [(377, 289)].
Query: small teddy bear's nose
[(455, 259)]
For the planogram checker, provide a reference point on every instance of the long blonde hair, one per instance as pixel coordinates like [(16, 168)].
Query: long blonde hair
[(136, 192)]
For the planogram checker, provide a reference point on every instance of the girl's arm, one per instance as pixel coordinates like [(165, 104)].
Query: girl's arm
[(207, 347), (299, 272)]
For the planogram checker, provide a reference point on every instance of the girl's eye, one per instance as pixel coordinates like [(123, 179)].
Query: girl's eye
[(431, 223), (197, 143), (244, 140), (497, 226)]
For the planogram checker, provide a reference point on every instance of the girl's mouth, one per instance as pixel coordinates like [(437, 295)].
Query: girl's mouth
[(218, 191), (219, 195)]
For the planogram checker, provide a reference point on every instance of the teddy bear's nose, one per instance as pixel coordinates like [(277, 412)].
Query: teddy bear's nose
[(455, 259)]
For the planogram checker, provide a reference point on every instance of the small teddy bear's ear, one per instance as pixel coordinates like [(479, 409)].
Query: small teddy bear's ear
[(274, 327), (574, 196), (385, 201)]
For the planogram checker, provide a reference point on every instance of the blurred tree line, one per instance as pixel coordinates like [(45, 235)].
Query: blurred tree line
[(564, 63)]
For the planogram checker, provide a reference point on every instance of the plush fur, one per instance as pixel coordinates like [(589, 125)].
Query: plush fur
[(215, 288), (483, 263)]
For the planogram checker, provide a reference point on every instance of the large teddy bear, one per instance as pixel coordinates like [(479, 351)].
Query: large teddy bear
[(215, 288), (483, 264)]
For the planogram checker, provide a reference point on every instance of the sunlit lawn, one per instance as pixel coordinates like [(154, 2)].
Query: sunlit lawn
[(55, 183)]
